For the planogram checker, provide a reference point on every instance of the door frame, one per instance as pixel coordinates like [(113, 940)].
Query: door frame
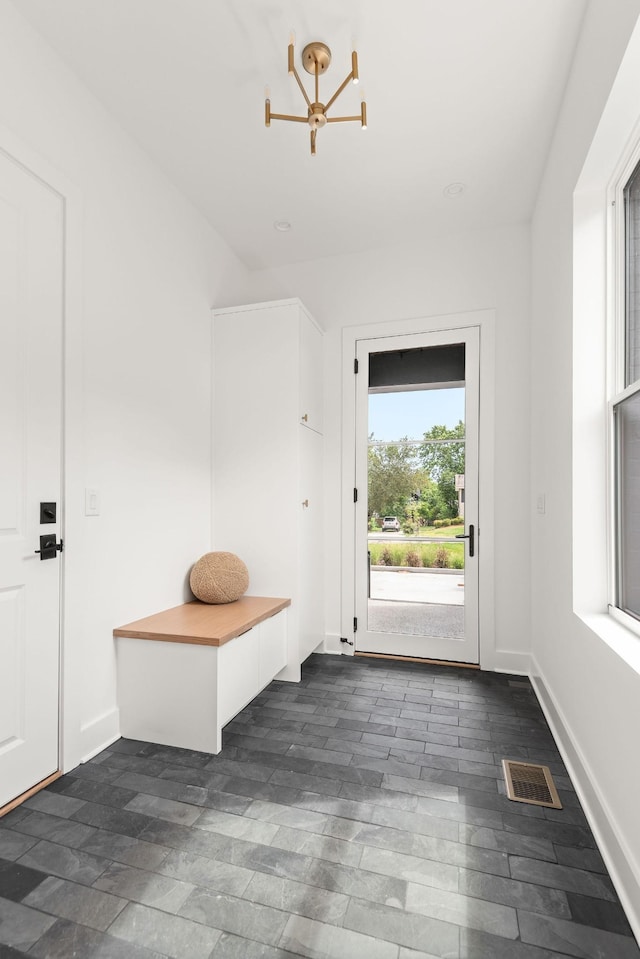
[(71, 486), (464, 649), (484, 320)]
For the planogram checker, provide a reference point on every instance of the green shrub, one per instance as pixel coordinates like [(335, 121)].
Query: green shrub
[(442, 558), (428, 555)]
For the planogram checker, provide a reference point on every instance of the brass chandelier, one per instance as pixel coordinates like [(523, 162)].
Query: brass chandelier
[(316, 58)]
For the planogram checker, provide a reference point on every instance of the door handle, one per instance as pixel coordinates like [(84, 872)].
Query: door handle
[(48, 547), (469, 536)]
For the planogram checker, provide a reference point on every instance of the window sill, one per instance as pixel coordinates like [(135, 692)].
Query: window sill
[(619, 638)]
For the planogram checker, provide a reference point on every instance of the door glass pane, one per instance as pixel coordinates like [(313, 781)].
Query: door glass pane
[(628, 503), (416, 466)]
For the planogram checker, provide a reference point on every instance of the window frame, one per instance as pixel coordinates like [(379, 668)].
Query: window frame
[(617, 390)]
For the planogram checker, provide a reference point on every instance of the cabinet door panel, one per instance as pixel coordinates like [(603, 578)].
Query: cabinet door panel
[(238, 673), (311, 371), (273, 647), (311, 575)]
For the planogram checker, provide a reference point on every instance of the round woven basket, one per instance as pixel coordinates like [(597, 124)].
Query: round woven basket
[(219, 578)]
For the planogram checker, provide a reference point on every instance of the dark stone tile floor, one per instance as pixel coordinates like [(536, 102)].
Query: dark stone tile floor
[(358, 815)]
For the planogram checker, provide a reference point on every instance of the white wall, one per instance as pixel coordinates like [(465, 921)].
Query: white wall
[(452, 274), (590, 689), (140, 414)]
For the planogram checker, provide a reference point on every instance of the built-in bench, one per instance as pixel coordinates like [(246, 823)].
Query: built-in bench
[(197, 667)]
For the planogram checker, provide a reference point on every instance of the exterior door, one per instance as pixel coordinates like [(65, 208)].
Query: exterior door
[(416, 528), (31, 310)]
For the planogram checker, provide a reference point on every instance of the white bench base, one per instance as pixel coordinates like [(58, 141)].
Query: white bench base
[(182, 694)]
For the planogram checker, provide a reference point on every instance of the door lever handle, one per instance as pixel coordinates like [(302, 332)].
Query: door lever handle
[(48, 546), (469, 536)]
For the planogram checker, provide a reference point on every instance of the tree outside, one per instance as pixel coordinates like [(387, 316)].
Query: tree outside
[(442, 460), (417, 483), (392, 470)]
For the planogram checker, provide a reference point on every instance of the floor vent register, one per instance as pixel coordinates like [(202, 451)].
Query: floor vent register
[(530, 783)]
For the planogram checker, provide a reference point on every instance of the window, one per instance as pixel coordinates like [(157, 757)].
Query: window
[(626, 414)]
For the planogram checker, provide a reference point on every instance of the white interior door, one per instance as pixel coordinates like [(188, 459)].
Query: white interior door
[(417, 578), (31, 310)]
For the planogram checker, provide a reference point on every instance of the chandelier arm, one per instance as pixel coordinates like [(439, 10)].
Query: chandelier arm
[(339, 91), (286, 116), (316, 85), (313, 142), (340, 119), (301, 85)]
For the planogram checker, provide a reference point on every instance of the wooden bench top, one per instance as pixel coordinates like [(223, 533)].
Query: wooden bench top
[(203, 624)]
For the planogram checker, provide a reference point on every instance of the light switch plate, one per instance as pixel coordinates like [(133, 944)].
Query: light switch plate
[(91, 502)]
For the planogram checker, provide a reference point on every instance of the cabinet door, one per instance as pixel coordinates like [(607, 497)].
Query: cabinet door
[(273, 647), (311, 567), (255, 446), (311, 373), (238, 673)]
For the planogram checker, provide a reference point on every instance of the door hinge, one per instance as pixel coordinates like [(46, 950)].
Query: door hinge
[(355, 366), (343, 639), (355, 494), (355, 624)]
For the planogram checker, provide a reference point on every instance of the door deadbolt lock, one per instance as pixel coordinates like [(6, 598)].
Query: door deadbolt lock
[(49, 548), (47, 513)]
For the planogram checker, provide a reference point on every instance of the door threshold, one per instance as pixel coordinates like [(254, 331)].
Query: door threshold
[(415, 659), (29, 793)]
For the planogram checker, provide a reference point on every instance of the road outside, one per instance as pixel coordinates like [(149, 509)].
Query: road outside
[(405, 538)]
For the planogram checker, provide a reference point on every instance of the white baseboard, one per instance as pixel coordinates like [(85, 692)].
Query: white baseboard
[(332, 645), (290, 674), (624, 872), (98, 734), (505, 661)]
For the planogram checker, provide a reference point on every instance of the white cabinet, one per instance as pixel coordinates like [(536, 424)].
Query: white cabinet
[(268, 462), (182, 690)]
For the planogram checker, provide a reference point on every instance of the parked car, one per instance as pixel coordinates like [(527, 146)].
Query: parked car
[(390, 524)]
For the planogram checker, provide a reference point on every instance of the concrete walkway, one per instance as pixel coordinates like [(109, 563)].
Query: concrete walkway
[(417, 604), (446, 586)]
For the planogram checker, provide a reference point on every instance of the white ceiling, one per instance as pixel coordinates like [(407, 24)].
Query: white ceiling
[(457, 91)]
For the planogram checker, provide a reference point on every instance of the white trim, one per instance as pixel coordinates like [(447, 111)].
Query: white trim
[(624, 871), (629, 622), (72, 448), (466, 647), (485, 320), (617, 392), (590, 448), (332, 645), (516, 664), (99, 734), (266, 305)]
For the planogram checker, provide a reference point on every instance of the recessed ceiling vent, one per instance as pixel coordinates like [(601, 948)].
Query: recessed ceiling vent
[(531, 784)]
